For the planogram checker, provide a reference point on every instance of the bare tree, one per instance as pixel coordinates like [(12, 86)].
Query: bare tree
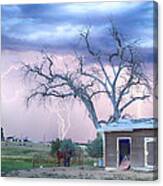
[(115, 74)]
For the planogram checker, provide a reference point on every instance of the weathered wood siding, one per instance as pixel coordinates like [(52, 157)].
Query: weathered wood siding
[(137, 146)]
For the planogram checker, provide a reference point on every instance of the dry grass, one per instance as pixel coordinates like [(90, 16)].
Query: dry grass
[(83, 173)]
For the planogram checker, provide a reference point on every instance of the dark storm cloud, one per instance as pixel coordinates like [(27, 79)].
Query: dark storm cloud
[(57, 26)]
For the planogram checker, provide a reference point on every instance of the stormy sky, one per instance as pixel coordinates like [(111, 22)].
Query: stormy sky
[(57, 26), (27, 29)]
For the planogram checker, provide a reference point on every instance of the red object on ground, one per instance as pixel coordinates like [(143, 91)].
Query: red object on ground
[(125, 165)]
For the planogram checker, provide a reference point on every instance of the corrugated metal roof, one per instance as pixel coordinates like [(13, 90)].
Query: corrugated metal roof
[(130, 125)]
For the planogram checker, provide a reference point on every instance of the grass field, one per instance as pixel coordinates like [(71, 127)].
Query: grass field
[(15, 156), (16, 161)]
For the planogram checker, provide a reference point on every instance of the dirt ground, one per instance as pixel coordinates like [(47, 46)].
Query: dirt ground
[(83, 173)]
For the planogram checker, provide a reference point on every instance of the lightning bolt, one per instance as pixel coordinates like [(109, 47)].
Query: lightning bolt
[(10, 69), (63, 113), (17, 93), (68, 119)]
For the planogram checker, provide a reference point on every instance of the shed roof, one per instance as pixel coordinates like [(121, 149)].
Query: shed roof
[(130, 125)]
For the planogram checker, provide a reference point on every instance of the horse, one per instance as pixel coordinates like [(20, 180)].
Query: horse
[(65, 156), (60, 156)]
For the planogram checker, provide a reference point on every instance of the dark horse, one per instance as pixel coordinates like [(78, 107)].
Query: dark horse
[(65, 156)]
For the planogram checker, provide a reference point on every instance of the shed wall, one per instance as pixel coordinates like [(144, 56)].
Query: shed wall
[(137, 146)]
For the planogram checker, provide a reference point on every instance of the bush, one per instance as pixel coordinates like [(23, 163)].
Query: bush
[(55, 146), (95, 148), (68, 145), (65, 145)]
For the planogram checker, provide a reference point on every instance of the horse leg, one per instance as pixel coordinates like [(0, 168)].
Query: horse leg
[(58, 161)]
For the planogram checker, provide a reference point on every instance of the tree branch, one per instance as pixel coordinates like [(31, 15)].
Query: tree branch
[(133, 100)]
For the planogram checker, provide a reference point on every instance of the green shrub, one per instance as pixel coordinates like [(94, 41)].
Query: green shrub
[(55, 146), (95, 148), (68, 145)]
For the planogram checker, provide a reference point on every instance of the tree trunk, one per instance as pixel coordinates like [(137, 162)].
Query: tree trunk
[(116, 115), (92, 113)]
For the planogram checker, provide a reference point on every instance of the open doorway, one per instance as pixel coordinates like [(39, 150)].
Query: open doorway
[(150, 149), (123, 152)]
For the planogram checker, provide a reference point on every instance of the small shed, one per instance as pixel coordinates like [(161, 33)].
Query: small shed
[(133, 141)]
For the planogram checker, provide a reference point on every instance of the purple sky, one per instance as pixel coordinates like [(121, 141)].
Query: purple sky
[(27, 29)]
